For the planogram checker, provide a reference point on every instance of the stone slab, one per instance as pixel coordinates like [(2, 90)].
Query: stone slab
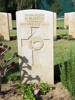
[(66, 20), (35, 29), (55, 23), (4, 25), (10, 21), (72, 24)]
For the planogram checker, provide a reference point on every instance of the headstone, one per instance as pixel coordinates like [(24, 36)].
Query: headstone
[(66, 20), (55, 19), (4, 26), (35, 45), (10, 21), (72, 24)]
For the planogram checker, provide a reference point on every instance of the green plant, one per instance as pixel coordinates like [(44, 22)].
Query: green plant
[(5, 65), (72, 97), (63, 36), (44, 87), (67, 70), (27, 91), (70, 37), (32, 91), (56, 7)]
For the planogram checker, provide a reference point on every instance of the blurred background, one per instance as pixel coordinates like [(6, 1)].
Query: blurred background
[(58, 6)]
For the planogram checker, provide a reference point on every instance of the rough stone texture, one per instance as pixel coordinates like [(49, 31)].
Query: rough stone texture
[(72, 24), (10, 21), (55, 18), (4, 26), (66, 20), (35, 45)]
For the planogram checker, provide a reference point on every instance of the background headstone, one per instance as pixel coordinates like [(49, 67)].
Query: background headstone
[(10, 21), (55, 20), (35, 45), (4, 25), (72, 24), (66, 20)]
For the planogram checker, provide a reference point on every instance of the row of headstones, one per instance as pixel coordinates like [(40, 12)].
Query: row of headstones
[(35, 29), (69, 22), (35, 32), (5, 25)]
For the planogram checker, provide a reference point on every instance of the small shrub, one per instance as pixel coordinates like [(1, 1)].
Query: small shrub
[(33, 91), (70, 37), (65, 37), (62, 36), (5, 65), (44, 88), (59, 37), (27, 91)]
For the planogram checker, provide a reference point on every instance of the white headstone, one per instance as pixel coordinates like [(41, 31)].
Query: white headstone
[(10, 21), (35, 45), (4, 25), (66, 20), (55, 20), (72, 24)]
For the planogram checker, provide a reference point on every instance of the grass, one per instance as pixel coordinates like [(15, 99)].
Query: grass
[(12, 43), (60, 23), (14, 74), (13, 32), (61, 30), (61, 49)]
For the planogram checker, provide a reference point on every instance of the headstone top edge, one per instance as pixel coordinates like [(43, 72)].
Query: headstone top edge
[(35, 11), (3, 13), (66, 13), (72, 13), (9, 13)]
